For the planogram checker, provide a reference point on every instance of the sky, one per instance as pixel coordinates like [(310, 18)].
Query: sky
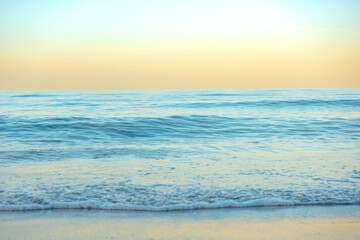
[(148, 44)]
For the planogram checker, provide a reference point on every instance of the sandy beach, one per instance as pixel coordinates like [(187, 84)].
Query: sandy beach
[(303, 222)]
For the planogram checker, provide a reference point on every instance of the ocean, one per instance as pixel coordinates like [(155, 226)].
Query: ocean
[(163, 150)]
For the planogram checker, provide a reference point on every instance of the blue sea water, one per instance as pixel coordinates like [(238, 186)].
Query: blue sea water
[(178, 149)]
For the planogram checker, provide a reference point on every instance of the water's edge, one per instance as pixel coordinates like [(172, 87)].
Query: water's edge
[(91, 205)]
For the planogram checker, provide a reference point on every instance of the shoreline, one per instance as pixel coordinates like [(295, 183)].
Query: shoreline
[(293, 222), (229, 204)]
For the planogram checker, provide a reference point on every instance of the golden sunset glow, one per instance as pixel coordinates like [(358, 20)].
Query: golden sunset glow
[(197, 44)]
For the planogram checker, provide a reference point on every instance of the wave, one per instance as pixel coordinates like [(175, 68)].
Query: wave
[(38, 95), (264, 202), (186, 126), (267, 103)]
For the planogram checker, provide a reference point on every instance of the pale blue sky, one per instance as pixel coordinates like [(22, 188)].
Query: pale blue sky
[(26, 22), (106, 44)]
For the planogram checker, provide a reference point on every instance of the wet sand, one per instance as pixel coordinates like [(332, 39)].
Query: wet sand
[(303, 222)]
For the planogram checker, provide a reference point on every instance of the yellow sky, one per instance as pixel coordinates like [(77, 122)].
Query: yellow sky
[(201, 65), (231, 44)]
